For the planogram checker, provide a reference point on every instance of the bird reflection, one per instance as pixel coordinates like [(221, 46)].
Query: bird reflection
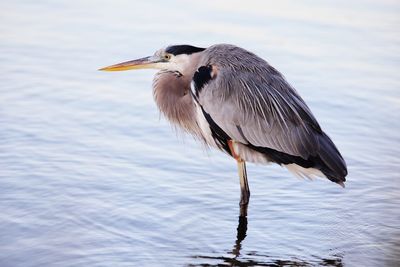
[(240, 236), (246, 259)]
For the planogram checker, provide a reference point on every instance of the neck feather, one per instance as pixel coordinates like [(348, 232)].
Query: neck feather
[(172, 96)]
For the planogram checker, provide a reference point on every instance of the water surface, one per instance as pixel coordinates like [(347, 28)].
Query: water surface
[(90, 175)]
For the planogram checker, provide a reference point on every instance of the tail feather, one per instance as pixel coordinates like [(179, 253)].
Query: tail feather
[(333, 165), (326, 162)]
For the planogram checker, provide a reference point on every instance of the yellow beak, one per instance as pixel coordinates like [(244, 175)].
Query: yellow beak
[(141, 63)]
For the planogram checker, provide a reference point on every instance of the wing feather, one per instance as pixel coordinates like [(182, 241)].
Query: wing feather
[(267, 109), (254, 105)]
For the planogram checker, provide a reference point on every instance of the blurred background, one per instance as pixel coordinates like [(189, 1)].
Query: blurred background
[(92, 175)]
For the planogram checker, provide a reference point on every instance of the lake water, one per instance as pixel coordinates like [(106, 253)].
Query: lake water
[(91, 175)]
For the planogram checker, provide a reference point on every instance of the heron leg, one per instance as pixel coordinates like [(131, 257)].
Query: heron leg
[(244, 188), (244, 185)]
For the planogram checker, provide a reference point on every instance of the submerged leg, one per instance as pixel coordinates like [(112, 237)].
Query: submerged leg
[(244, 188)]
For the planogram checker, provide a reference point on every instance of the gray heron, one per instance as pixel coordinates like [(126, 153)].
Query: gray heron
[(233, 100)]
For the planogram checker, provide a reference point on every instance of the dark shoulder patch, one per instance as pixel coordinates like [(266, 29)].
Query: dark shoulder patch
[(183, 49), (201, 77)]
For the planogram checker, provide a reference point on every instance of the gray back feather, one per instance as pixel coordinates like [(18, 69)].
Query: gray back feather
[(253, 103)]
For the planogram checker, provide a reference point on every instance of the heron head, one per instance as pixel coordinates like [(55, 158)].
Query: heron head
[(173, 58)]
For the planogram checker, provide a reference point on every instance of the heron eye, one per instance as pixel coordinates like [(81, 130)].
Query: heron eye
[(167, 56)]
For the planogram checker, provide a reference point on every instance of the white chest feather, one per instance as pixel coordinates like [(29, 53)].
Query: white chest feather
[(204, 127)]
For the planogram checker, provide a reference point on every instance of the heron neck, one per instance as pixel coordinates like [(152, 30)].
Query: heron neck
[(172, 96)]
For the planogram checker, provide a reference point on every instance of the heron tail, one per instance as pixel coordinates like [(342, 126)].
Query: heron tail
[(333, 165)]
